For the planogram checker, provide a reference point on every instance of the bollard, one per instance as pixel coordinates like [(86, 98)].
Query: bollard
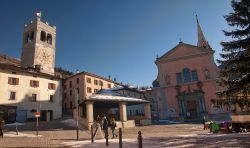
[(120, 137), (107, 137), (139, 140), (92, 135)]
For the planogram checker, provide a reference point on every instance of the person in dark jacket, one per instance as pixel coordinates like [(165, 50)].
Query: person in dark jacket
[(112, 126), (1, 127), (105, 124)]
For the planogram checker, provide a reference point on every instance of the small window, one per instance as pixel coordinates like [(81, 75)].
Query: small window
[(12, 95), (70, 92), (109, 85), (95, 90), (34, 83), (96, 82), (49, 39), (33, 97), (77, 80), (13, 81), (89, 90), (65, 95), (194, 75), (51, 98), (78, 90), (52, 86), (88, 80), (43, 36)]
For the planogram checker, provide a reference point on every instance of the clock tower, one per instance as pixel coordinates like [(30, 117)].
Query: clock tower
[(38, 47)]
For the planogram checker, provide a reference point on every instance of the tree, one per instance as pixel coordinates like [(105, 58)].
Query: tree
[(236, 52)]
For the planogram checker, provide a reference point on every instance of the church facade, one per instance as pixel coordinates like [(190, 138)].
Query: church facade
[(186, 81)]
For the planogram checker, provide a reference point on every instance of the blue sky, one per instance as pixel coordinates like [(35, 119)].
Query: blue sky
[(120, 38)]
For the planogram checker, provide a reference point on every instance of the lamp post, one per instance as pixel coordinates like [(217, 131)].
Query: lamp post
[(77, 113)]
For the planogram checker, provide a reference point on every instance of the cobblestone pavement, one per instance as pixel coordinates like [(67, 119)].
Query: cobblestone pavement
[(56, 134)]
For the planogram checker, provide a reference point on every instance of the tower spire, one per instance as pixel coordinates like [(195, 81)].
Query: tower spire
[(202, 42)]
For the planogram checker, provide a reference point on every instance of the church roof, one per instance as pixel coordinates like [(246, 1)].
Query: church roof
[(176, 52), (202, 42)]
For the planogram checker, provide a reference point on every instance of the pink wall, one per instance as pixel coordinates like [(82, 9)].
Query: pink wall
[(186, 56)]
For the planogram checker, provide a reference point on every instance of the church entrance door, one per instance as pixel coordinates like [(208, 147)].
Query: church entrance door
[(192, 108)]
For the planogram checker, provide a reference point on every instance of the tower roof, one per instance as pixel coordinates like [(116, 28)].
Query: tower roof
[(202, 42)]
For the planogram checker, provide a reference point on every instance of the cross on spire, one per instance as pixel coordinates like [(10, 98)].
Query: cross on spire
[(202, 42)]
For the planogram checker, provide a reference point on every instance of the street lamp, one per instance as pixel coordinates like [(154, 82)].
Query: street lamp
[(77, 113)]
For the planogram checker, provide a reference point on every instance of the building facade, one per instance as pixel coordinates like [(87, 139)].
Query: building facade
[(29, 85), (30, 91), (186, 81), (82, 85)]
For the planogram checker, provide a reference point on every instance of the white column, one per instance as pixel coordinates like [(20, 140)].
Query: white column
[(147, 111), (89, 113), (123, 111)]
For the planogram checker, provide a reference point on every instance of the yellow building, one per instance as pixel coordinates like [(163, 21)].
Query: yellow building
[(83, 85)]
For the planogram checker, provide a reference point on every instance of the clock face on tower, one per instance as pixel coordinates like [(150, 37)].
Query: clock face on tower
[(45, 57)]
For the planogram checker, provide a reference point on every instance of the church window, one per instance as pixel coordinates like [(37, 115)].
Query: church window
[(194, 75), (178, 78), (49, 39), (43, 36), (186, 75)]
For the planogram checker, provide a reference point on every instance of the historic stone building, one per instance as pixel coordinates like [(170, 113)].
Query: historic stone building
[(31, 86), (186, 81), (38, 50)]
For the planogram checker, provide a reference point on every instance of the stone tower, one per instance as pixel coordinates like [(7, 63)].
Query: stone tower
[(38, 48)]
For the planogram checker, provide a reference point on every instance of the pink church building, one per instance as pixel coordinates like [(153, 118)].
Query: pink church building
[(186, 81)]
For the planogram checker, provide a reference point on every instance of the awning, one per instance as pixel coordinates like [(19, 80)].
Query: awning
[(105, 98)]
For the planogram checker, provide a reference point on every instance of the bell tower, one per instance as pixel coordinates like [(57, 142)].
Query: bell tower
[(38, 47)]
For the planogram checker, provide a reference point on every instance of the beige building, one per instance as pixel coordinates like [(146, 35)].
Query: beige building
[(30, 91), (85, 84), (29, 85)]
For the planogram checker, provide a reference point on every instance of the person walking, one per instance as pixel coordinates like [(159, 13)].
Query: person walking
[(1, 127), (99, 121), (104, 124), (113, 125)]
